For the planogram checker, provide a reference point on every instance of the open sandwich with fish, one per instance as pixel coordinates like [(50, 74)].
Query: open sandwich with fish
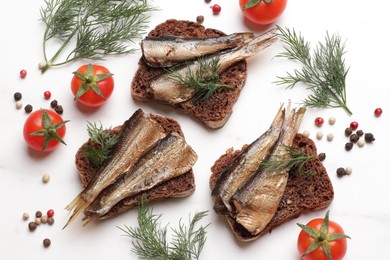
[(255, 197), (196, 70), (151, 161)]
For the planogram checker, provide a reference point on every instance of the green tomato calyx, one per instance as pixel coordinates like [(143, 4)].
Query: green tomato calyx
[(252, 3), (322, 237), (90, 80)]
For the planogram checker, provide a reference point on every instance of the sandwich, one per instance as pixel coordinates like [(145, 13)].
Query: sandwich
[(177, 53), (255, 194), (151, 161)]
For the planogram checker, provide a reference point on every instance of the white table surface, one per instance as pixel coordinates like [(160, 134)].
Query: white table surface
[(360, 204)]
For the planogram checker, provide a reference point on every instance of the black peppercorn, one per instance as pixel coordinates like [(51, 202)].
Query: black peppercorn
[(28, 108), (207, 1), (200, 19), (354, 138), (59, 109), (359, 132), (348, 146), (321, 156), (369, 137), (340, 172), (348, 131), (17, 96), (38, 214), (32, 226), (54, 103), (46, 242)]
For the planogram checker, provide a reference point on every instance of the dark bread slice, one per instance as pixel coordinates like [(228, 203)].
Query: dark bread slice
[(180, 186), (304, 193), (213, 112)]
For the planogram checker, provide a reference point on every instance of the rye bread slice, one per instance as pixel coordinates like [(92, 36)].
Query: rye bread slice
[(303, 193), (180, 186), (213, 112)]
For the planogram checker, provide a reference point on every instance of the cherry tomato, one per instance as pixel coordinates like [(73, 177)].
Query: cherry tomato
[(263, 11), (323, 235), (92, 85), (44, 130)]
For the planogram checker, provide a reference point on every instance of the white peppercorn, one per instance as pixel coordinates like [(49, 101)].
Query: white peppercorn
[(332, 120), (348, 170), (319, 135), (45, 178), (330, 137), (306, 133)]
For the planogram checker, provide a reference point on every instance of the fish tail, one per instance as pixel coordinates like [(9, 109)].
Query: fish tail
[(260, 42), (77, 205)]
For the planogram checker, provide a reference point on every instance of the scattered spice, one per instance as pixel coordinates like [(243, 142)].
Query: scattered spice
[(23, 73), (319, 135), (50, 221), (340, 172), (19, 104), (200, 19), (369, 137), (47, 94), (354, 138), (354, 125), (348, 146), (46, 242), (348, 131), (319, 121), (360, 133), (54, 103), (348, 170), (45, 178), (50, 213), (216, 9), (59, 109), (44, 219), (38, 221), (38, 214), (306, 133), (378, 112), (28, 108), (321, 156), (361, 143), (32, 226), (26, 216), (330, 137), (332, 120), (17, 96)]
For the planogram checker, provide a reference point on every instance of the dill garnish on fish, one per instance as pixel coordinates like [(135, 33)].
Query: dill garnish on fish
[(104, 140), (323, 71), (296, 159), (205, 79), (151, 239)]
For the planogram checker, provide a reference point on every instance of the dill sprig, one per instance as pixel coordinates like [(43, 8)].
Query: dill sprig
[(151, 239), (323, 70), (293, 159), (104, 140), (97, 28), (204, 79)]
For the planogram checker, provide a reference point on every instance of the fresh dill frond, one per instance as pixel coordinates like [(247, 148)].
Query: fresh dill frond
[(104, 140), (293, 159), (204, 79), (151, 239), (323, 70), (92, 29)]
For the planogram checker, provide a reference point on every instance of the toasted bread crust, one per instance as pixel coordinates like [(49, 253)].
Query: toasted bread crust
[(181, 186), (213, 112), (303, 193)]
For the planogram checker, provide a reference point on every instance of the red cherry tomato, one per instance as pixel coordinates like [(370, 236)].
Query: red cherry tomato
[(264, 12), (337, 247), (92, 85), (44, 130)]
